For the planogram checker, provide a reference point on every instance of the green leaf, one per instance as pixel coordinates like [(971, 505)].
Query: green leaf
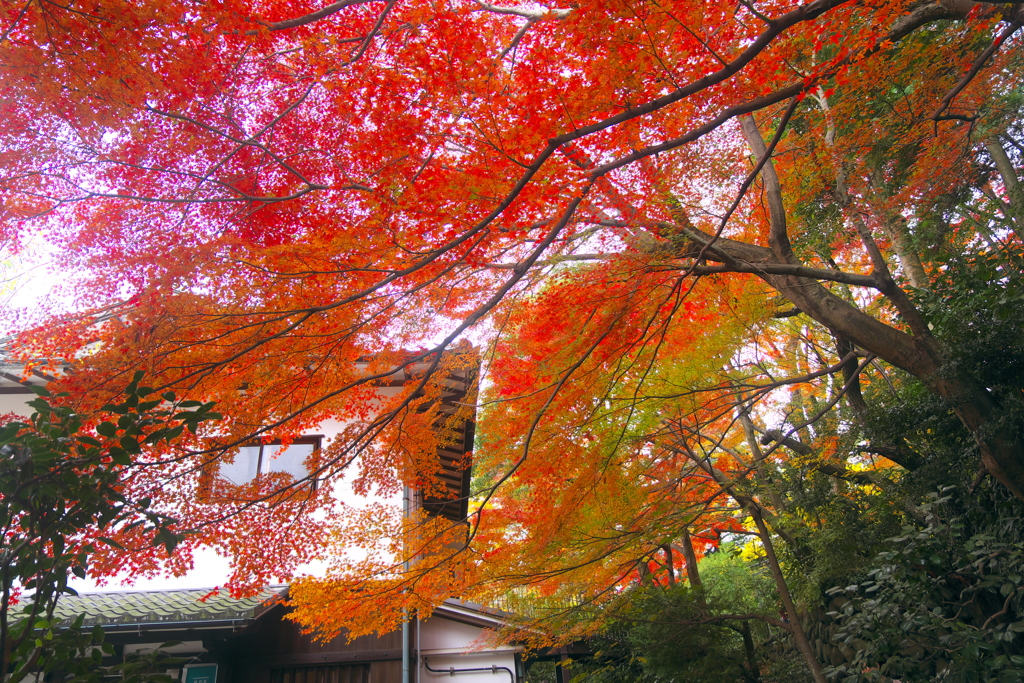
[(9, 431), (106, 429), (45, 455), (120, 456), (130, 444), (133, 386), (111, 542)]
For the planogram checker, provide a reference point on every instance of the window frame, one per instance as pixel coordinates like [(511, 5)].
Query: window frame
[(316, 440)]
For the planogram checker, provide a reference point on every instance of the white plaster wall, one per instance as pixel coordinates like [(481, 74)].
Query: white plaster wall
[(503, 673), (440, 634), (211, 569), (446, 644), (16, 403)]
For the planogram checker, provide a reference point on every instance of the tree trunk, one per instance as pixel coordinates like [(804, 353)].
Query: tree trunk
[(692, 572), (794, 625), (753, 670)]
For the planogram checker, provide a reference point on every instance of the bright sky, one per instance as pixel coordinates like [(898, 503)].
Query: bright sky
[(28, 284), (210, 571)]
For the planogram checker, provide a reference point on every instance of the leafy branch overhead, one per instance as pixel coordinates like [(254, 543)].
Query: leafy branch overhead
[(701, 248)]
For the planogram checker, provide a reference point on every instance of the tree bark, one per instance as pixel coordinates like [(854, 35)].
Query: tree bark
[(753, 670), (692, 572), (1014, 193)]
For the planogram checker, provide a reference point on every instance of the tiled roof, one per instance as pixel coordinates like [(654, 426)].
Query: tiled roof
[(164, 606)]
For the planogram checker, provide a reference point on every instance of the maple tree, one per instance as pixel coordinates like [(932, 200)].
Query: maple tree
[(669, 222)]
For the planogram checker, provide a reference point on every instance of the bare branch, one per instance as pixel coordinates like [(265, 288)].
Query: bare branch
[(516, 39)]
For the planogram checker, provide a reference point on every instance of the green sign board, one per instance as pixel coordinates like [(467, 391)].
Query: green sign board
[(201, 673)]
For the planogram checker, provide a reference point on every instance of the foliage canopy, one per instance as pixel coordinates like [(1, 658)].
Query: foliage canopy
[(705, 245)]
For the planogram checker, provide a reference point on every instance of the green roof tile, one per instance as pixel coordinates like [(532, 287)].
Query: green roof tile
[(155, 607)]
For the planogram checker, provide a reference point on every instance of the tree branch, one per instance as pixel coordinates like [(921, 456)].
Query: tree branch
[(533, 14), (322, 13), (975, 69), (825, 274)]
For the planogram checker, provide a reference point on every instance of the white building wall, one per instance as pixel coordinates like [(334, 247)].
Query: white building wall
[(16, 403), (451, 648), (210, 568)]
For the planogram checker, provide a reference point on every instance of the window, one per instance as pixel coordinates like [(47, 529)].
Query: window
[(256, 459)]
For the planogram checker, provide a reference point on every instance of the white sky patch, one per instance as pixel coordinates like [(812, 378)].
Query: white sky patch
[(31, 287)]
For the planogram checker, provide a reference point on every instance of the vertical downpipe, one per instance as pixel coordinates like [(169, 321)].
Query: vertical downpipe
[(418, 625), (406, 677), (405, 653)]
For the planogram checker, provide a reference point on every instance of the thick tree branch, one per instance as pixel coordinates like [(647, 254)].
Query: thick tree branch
[(322, 13), (529, 13), (822, 274), (758, 464), (905, 458), (778, 235), (1014, 190)]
